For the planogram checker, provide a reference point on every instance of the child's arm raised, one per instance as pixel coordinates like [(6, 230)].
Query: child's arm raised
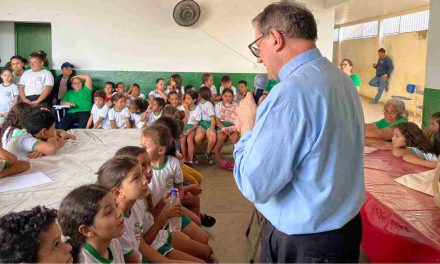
[(411, 158), (87, 80)]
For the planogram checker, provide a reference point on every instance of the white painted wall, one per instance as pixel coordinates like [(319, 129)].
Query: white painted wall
[(433, 55), (141, 35), (7, 42)]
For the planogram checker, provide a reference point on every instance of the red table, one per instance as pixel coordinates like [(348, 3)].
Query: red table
[(399, 224)]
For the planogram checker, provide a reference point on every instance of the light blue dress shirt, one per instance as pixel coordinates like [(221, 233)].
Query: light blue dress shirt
[(302, 163)]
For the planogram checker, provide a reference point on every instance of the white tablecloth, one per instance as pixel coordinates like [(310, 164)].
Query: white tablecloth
[(74, 165)]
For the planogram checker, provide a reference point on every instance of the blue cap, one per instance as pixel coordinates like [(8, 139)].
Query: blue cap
[(67, 65), (173, 192)]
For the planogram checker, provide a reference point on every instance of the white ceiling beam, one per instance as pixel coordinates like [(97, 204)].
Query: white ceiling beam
[(334, 3)]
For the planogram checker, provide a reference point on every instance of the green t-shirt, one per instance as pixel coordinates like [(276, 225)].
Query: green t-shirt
[(381, 124), (82, 99), (356, 80)]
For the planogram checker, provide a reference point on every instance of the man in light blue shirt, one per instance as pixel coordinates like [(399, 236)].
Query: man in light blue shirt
[(300, 158)]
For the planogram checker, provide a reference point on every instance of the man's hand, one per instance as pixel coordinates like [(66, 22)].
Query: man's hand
[(243, 117), (384, 77)]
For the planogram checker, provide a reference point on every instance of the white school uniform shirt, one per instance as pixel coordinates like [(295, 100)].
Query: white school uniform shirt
[(136, 119), (16, 78), (141, 96), (134, 230), (212, 88), (219, 106), (7, 96), (180, 108), (152, 117), (89, 255), (156, 94), (165, 178), (208, 110), (119, 117), (35, 82), (148, 221), (423, 155), (20, 143), (101, 113), (194, 116), (234, 91)]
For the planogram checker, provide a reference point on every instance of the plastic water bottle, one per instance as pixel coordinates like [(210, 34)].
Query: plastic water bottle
[(175, 223)]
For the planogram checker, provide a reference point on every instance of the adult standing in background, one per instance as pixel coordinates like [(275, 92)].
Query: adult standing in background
[(384, 67), (300, 158), (347, 67)]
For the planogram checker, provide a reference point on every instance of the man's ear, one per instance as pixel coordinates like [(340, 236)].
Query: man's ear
[(278, 39)]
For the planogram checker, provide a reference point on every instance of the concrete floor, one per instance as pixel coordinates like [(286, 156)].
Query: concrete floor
[(222, 199)]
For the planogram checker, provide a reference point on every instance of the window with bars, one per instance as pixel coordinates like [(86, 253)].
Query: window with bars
[(358, 31), (407, 23)]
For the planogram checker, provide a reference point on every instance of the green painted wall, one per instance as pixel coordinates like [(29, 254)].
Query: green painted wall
[(431, 104), (147, 80)]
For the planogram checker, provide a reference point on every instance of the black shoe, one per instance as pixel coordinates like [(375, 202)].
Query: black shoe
[(207, 221), (195, 159), (189, 164), (209, 158)]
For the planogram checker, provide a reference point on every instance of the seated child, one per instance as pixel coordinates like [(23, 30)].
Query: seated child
[(179, 240), (8, 93), (193, 115), (32, 236), (156, 110), (159, 91), (175, 85), (410, 144), (207, 123), (135, 92), (9, 165), (138, 112), (99, 114), (109, 89), (208, 81), (174, 100), (189, 87), (432, 131), (227, 84), (125, 177), (89, 217), (242, 90), (38, 136), (119, 115), (120, 88), (220, 109)]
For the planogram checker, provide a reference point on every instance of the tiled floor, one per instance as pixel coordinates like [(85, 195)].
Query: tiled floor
[(222, 199)]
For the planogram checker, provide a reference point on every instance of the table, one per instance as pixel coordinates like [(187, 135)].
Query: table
[(59, 108), (74, 165), (399, 224)]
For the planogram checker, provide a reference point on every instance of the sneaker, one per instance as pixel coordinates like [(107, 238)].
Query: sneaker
[(195, 159), (189, 164), (209, 158), (207, 221)]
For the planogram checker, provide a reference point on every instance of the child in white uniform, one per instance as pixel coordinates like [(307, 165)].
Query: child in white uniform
[(138, 114), (92, 236), (193, 115), (207, 124), (156, 110), (119, 115), (8, 93), (99, 114)]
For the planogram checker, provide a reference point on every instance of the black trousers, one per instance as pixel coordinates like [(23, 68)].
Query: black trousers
[(46, 103), (70, 118), (336, 246)]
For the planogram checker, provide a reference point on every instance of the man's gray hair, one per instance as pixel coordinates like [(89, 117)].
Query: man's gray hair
[(400, 106), (291, 18)]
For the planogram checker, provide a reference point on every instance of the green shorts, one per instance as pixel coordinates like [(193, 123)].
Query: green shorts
[(225, 124), (187, 127), (205, 124), (4, 164), (167, 247)]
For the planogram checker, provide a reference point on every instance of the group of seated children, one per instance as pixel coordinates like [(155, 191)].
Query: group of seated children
[(123, 217), (405, 139)]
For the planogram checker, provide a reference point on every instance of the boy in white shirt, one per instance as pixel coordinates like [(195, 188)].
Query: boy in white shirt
[(99, 114), (17, 64), (8, 93), (208, 81), (36, 84), (227, 83)]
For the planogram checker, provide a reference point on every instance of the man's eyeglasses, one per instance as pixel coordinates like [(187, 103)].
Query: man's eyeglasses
[(254, 47)]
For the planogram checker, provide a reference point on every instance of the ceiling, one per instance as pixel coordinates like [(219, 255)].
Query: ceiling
[(355, 10)]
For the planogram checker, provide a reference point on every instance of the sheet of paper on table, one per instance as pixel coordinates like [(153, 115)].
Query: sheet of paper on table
[(19, 182)]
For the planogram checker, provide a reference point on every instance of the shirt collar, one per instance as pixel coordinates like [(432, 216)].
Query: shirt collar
[(296, 62)]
